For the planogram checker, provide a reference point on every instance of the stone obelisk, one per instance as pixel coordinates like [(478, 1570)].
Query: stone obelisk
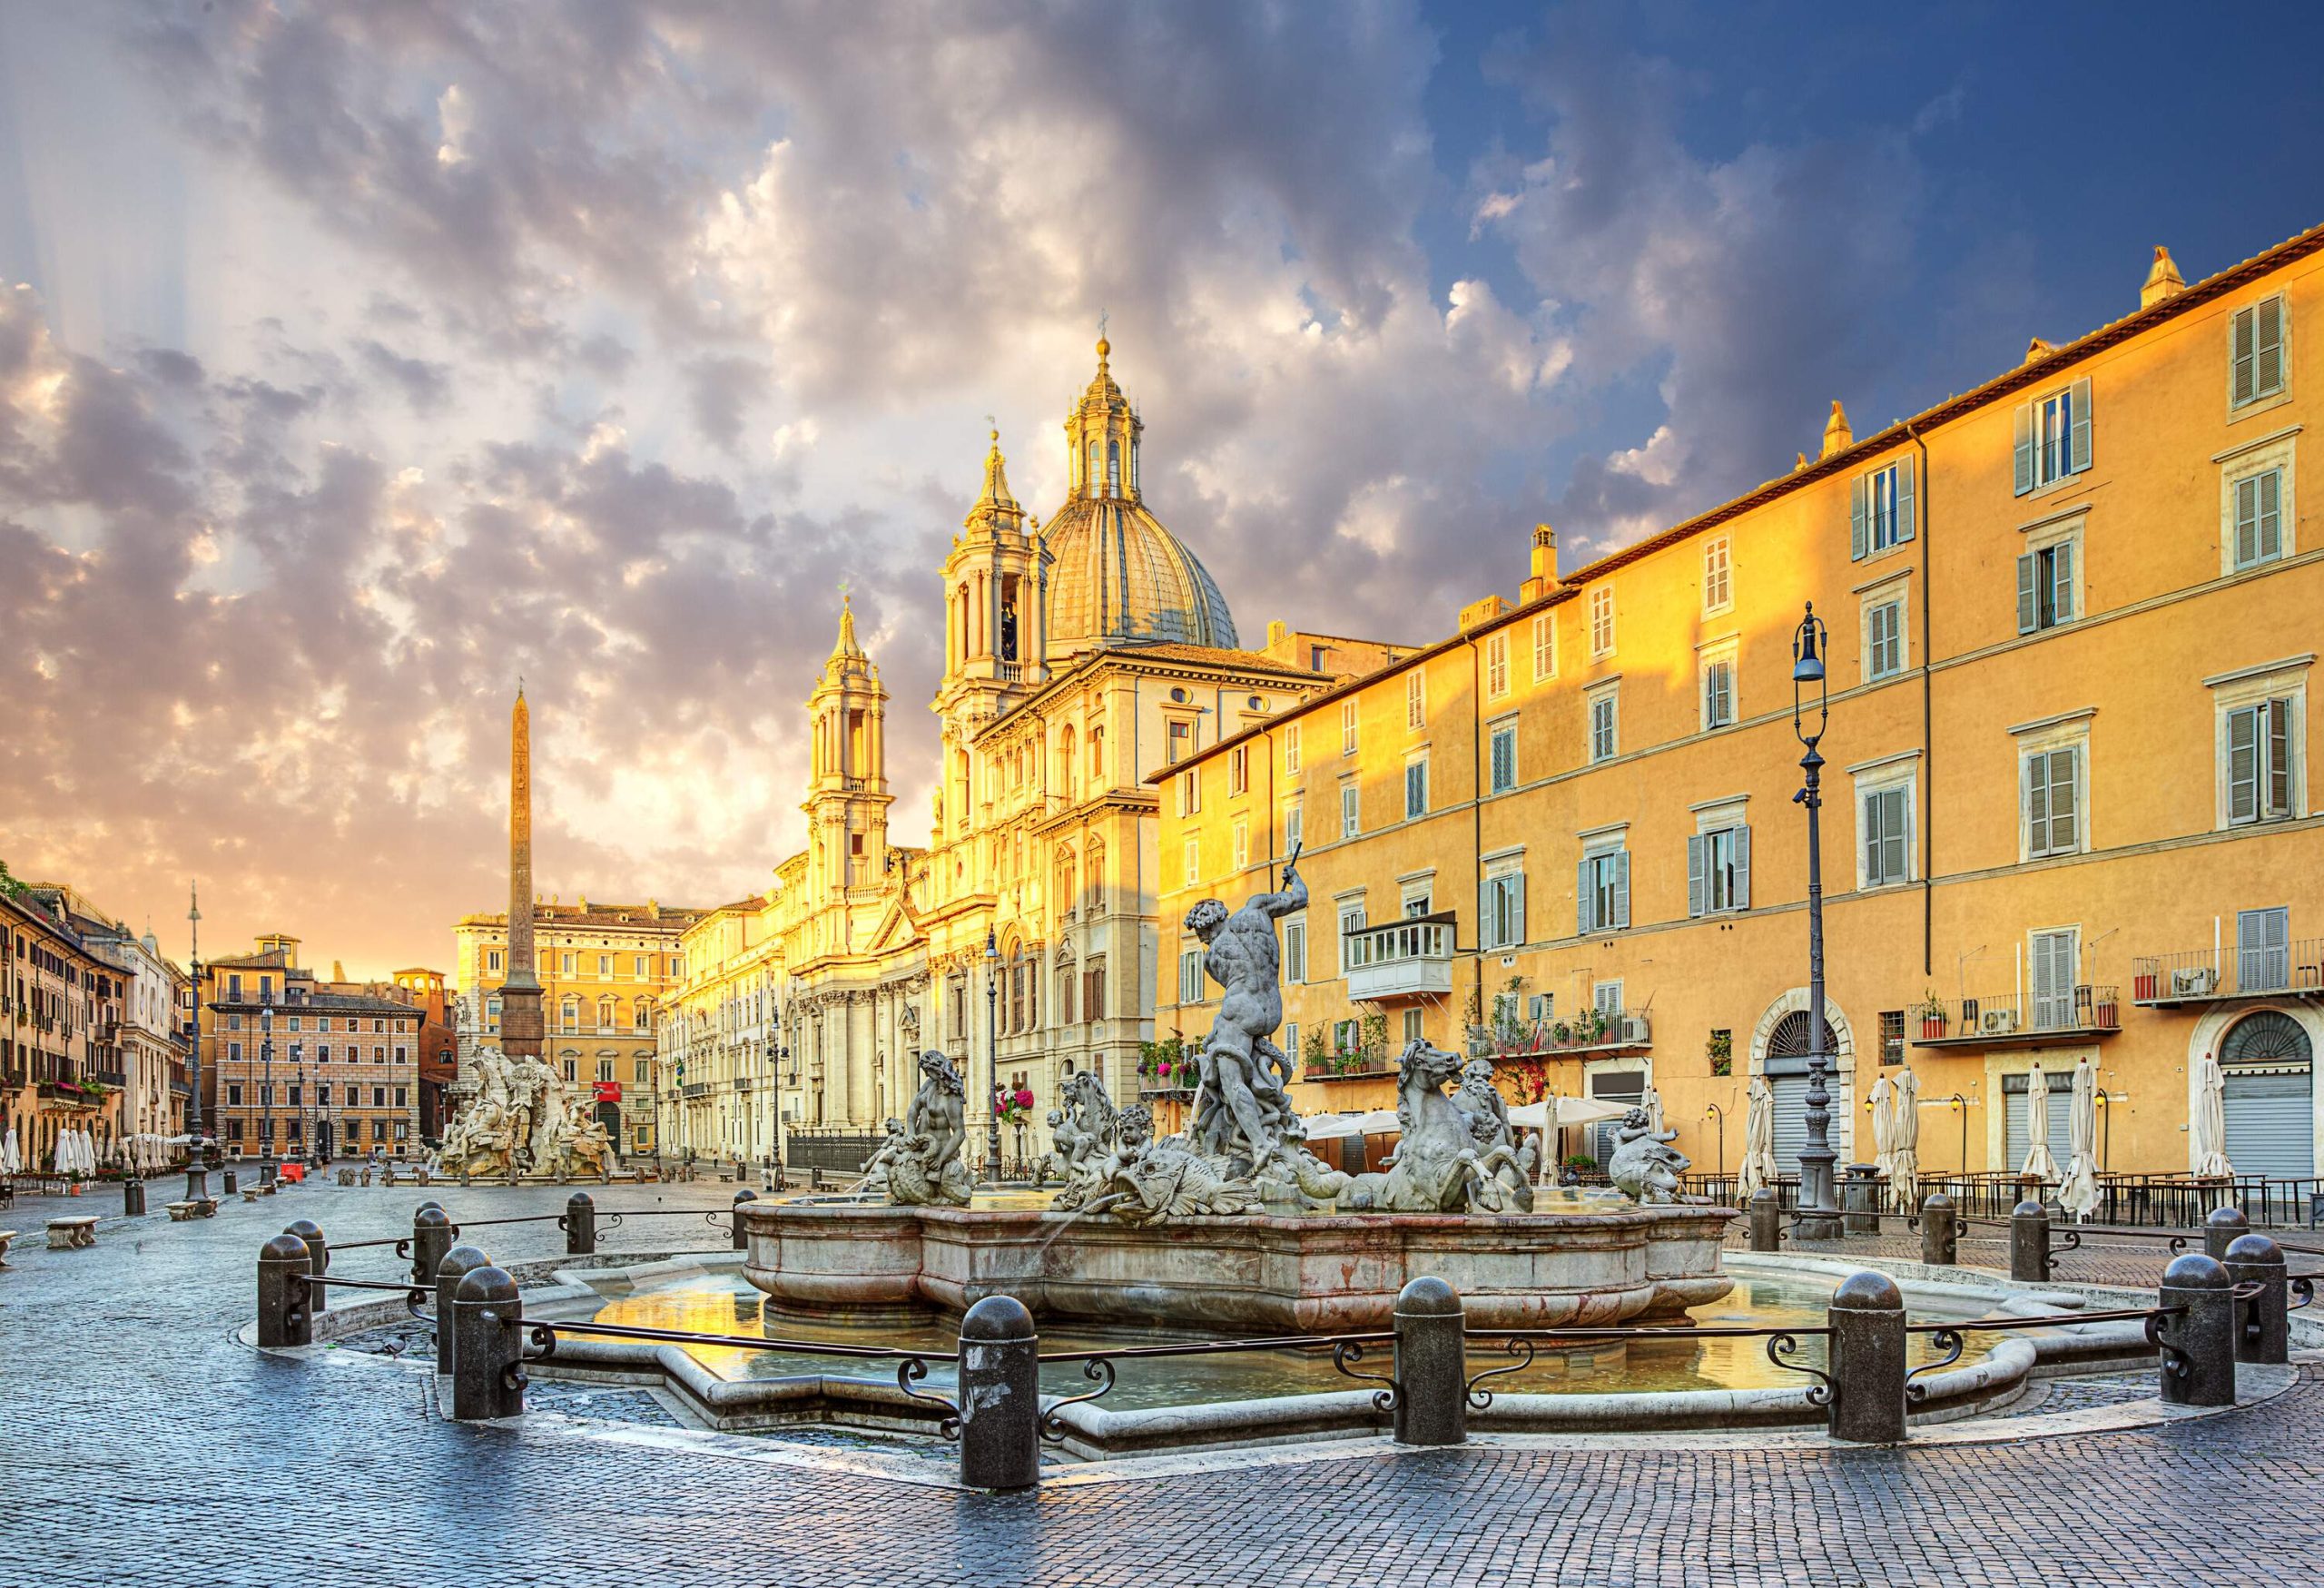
[(521, 1028)]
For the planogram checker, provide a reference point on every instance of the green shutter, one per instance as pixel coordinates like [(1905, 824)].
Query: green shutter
[(2023, 416), (2243, 765), (2037, 804), (1904, 499), (1742, 868), (2079, 459), (2247, 521), (1621, 888), (1515, 935), (2269, 515), (2268, 347), (1698, 882), (2061, 610), (2026, 613), (2279, 758), (2242, 383), (1583, 923), (2064, 810), (1487, 927), (1859, 535)]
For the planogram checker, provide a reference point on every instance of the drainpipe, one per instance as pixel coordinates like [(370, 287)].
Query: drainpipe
[(1476, 826), (1928, 742)]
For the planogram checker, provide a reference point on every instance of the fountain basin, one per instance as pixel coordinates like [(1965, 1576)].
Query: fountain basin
[(1299, 1274)]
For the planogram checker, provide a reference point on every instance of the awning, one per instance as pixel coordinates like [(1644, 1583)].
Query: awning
[(1570, 1111), (1341, 1127)]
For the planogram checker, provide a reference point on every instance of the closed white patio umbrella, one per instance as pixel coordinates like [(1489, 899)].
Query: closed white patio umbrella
[(11, 1161), (2079, 1194), (1758, 1139), (1881, 1105), (2207, 1128), (1905, 1143), (2039, 1165)]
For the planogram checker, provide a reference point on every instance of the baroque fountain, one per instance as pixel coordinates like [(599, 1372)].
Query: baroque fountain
[(1235, 1222)]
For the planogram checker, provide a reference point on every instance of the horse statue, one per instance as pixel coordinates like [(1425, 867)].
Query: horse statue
[(1441, 1162)]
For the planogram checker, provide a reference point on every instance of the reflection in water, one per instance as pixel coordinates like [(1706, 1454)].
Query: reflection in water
[(1586, 1367)]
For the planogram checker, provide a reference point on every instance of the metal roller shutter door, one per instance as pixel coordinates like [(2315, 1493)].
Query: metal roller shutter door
[(2271, 1122), (2018, 1144), (1791, 1116)]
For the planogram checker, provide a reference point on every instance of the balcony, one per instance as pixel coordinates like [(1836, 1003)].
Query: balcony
[(742, 1083), (2007, 1020), (1348, 1067), (1411, 958), (695, 1088), (2214, 975), (1594, 1033)]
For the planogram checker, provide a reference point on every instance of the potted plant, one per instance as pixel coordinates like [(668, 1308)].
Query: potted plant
[(1722, 1052), (1931, 1010)]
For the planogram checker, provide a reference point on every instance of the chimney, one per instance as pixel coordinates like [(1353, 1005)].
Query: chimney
[(2162, 279), (1544, 569), (1838, 437)]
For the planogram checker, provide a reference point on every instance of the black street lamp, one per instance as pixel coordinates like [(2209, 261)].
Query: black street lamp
[(992, 1052), (1715, 1112), (197, 1172), (266, 1065), (1819, 1214), (298, 1068)]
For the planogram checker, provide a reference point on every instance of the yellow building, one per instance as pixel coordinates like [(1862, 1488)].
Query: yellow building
[(1078, 658), (2073, 618), (603, 970)]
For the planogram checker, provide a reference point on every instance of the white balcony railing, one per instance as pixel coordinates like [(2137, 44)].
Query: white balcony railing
[(1400, 959)]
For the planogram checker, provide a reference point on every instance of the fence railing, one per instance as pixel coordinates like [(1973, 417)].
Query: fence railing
[(2200, 975)]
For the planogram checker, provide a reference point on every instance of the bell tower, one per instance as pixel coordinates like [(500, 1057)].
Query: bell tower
[(996, 623), (847, 790)]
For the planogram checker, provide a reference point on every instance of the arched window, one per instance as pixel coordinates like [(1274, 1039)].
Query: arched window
[(2269, 1037), (1113, 469), (1093, 866), (1097, 756), (1789, 1039), (1065, 880), (1091, 475), (1065, 748)]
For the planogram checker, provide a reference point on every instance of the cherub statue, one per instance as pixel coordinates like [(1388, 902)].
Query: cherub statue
[(928, 1170), (874, 1182), (1644, 1165)]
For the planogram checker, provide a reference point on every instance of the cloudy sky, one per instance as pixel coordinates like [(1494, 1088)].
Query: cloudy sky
[(355, 359)]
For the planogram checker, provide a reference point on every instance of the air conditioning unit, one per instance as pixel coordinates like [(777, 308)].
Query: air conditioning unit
[(2198, 981), (1997, 1023)]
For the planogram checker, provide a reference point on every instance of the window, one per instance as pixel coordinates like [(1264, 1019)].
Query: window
[(1418, 901), (1605, 737), (568, 963), (643, 1072), (2053, 802), (605, 967), (379, 1096), (1719, 690), (1241, 845), (2258, 518), (1238, 770), (1604, 891), (2053, 439), (1348, 809), (1504, 757), (2055, 959), (1291, 749), (1190, 976), (1884, 638), (234, 1096), (1497, 666), (2258, 763), (1601, 622), (1892, 1037), (1884, 821), (637, 966), (1411, 1026), (1500, 909), (1181, 740), (1293, 827), (2255, 352), (2046, 586), (1719, 871), (1415, 787), (1545, 647), (1606, 997), (1351, 923), (1189, 792), (1294, 949), (1190, 861), (1718, 586), (2263, 950), (1416, 700), (1347, 727), (1346, 1036), (1880, 510), (492, 959)]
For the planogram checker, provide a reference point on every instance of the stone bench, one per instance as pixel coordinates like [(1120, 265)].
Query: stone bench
[(65, 1234), (5, 1237), (182, 1211)]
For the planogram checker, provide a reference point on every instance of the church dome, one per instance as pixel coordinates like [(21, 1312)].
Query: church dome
[(1118, 576)]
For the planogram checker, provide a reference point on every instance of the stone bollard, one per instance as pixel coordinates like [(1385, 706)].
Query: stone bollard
[(311, 1235), (1431, 1386), (2198, 1366), (1000, 1395), (282, 1315), (2222, 1229), (1867, 1360), (1860, 1200), (132, 1199), (458, 1265), (580, 1225), (488, 1347), (1940, 1231), (2263, 1324), (1766, 1220), (740, 1198), (232, 1186), (2029, 1242), (431, 1237)]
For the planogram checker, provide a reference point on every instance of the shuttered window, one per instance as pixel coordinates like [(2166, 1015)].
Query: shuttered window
[(1497, 666), (2256, 344), (2262, 950), (1887, 852), (1605, 738), (2259, 518), (2046, 597), (1719, 871), (1501, 911), (1880, 510), (2052, 802), (1885, 640), (1719, 580), (1417, 788), (1415, 699), (1295, 950), (1504, 757), (1351, 923), (1545, 647), (2052, 438), (1718, 694), (2056, 958), (1602, 893), (1190, 976), (1601, 621), (1348, 811), (2259, 762)]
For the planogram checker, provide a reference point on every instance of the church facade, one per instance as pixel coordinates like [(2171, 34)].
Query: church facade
[(1080, 657)]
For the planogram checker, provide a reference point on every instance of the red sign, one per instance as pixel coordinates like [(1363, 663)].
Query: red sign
[(606, 1091)]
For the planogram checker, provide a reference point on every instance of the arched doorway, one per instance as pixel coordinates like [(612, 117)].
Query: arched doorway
[(608, 1114), (1779, 1047), (2267, 1062)]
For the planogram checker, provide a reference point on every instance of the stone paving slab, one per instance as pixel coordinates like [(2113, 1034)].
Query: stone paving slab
[(145, 1445)]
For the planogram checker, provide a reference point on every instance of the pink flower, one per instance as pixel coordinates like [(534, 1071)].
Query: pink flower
[(1024, 1097)]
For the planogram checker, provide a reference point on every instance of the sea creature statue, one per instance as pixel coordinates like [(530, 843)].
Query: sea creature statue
[(1488, 1114), (1241, 1107), (928, 1170), (1167, 1179), (582, 1146), (1644, 1165), (480, 1142), (1441, 1162), (1085, 1131), (874, 1182)]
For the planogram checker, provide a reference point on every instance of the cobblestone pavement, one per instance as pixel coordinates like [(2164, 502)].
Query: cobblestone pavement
[(144, 1445)]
